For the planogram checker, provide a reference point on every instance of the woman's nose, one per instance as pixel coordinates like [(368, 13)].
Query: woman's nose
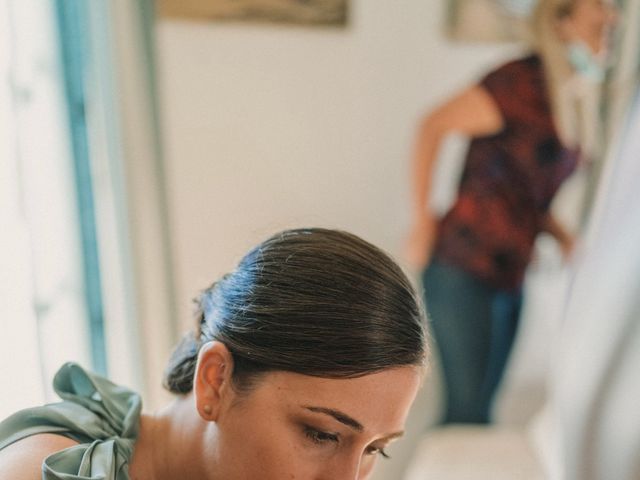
[(347, 468)]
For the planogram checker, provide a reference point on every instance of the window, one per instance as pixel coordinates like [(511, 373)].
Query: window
[(43, 307), (85, 272)]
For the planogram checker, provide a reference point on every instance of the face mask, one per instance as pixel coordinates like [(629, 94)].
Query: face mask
[(585, 62)]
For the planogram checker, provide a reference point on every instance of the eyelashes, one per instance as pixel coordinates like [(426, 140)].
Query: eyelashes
[(324, 438), (377, 451), (320, 437)]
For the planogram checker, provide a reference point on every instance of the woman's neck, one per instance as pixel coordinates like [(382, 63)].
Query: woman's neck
[(170, 444)]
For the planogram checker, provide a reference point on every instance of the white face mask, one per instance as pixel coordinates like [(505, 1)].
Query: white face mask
[(585, 63)]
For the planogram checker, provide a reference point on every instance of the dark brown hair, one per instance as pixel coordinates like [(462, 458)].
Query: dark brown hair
[(312, 301)]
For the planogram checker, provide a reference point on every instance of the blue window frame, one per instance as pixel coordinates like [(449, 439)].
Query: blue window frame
[(72, 17)]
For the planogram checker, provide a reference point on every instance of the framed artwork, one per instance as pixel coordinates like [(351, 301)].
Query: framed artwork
[(332, 13), (488, 20)]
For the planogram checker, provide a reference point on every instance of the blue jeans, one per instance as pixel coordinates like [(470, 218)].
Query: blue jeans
[(474, 326)]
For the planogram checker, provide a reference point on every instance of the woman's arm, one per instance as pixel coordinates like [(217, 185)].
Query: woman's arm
[(473, 112), (566, 239), (23, 460)]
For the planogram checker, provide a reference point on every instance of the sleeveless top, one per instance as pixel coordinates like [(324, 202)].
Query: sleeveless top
[(508, 181), (100, 415)]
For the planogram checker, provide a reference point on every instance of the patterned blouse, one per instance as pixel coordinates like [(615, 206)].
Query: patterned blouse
[(508, 181)]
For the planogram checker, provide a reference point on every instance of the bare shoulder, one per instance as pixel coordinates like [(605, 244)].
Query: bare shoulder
[(23, 459)]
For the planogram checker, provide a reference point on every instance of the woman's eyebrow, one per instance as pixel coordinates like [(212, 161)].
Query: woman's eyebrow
[(339, 416), (351, 422)]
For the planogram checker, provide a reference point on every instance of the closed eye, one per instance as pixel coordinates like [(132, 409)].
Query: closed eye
[(320, 437), (377, 451)]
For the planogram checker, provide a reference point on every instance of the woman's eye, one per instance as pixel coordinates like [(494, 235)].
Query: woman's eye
[(377, 451), (320, 437)]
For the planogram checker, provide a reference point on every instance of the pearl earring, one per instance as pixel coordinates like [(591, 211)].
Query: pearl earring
[(207, 409)]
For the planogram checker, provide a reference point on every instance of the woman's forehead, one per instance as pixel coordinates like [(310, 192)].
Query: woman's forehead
[(387, 393)]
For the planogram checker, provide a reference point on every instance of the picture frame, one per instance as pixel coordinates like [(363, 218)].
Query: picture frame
[(488, 20), (328, 13)]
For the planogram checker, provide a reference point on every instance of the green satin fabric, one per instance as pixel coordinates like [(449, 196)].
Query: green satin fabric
[(101, 416)]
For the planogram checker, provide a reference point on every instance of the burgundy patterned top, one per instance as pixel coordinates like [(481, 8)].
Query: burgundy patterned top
[(508, 181)]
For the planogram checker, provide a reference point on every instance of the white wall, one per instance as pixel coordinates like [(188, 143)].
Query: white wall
[(267, 127)]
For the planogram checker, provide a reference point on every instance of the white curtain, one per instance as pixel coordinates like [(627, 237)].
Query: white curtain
[(42, 304), (140, 323), (43, 309), (596, 382)]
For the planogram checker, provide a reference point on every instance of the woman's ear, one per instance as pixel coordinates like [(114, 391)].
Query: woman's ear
[(212, 382)]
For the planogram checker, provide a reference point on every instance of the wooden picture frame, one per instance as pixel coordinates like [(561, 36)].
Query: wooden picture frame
[(331, 13), (489, 20)]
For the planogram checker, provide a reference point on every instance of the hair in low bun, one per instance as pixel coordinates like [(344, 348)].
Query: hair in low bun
[(311, 301), (178, 377)]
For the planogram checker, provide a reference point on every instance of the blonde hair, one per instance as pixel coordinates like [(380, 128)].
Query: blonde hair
[(575, 117)]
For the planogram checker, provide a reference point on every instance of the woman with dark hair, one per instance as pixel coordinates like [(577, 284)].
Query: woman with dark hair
[(303, 364)]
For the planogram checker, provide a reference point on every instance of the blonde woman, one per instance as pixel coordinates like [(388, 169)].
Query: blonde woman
[(529, 123)]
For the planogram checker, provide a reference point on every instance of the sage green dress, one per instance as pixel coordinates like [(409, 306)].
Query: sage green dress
[(101, 416)]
